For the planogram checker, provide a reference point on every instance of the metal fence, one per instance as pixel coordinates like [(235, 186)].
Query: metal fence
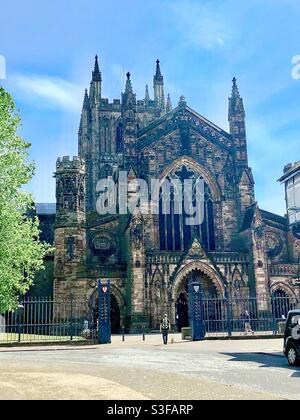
[(46, 320), (263, 315)]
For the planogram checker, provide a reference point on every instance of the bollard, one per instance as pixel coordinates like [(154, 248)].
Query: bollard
[(123, 333), (144, 338)]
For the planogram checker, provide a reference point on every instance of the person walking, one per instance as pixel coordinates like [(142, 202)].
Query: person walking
[(247, 320), (165, 328)]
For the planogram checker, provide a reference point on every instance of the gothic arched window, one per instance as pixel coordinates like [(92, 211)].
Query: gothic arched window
[(176, 233)]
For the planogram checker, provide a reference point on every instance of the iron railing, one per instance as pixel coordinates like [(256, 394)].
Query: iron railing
[(47, 320), (230, 317)]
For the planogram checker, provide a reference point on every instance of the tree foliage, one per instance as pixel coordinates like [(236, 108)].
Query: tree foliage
[(21, 252)]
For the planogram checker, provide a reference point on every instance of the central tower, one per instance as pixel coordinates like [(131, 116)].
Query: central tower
[(108, 131)]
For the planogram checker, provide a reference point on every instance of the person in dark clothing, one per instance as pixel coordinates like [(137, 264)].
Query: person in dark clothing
[(165, 328)]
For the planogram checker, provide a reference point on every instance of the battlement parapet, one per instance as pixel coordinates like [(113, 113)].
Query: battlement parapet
[(105, 105), (67, 163), (116, 106)]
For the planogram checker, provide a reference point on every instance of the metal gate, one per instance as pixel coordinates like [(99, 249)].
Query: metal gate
[(104, 322), (196, 310)]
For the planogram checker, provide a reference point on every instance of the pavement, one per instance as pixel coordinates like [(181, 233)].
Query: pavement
[(137, 369)]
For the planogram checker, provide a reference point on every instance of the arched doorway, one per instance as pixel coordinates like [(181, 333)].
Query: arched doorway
[(281, 304), (212, 306), (182, 313), (114, 315)]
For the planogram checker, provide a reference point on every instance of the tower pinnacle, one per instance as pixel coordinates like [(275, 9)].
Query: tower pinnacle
[(236, 105), (235, 90), (96, 73), (169, 104), (237, 124), (128, 86), (86, 101), (147, 96), (128, 97), (158, 76), (95, 86), (158, 86)]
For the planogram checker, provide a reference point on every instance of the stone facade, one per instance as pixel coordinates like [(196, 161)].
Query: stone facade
[(239, 250)]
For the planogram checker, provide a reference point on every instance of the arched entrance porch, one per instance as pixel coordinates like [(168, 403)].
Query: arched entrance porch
[(283, 301), (182, 313), (212, 292)]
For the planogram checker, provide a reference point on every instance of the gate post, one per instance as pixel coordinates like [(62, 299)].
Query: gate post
[(104, 324), (229, 316), (196, 314), (71, 318)]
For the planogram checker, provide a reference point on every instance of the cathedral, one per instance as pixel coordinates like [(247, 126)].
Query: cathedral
[(239, 250)]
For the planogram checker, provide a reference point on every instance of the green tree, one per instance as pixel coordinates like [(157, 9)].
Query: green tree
[(21, 252)]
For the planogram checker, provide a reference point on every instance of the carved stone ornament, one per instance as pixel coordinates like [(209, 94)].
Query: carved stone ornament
[(93, 284), (103, 244), (274, 243)]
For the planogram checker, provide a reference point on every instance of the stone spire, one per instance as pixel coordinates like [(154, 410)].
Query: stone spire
[(129, 125), (147, 96), (128, 85), (235, 101), (128, 97), (86, 101), (96, 75), (95, 87), (169, 104), (158, 76), (158, 86), (237, 124), (235, 89), (84, 127)]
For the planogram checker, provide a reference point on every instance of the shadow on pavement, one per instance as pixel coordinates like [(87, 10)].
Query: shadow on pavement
[(275, 360)]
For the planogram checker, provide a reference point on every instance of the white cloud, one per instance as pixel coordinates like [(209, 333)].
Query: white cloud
[(48, 92), (201, 24)]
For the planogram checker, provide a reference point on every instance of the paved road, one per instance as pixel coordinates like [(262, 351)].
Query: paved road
[(147, 370)]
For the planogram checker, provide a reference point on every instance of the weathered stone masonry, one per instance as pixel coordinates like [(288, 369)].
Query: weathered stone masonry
[(240, 250)]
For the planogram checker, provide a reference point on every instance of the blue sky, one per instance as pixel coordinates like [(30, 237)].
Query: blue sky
[(49, 47)]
